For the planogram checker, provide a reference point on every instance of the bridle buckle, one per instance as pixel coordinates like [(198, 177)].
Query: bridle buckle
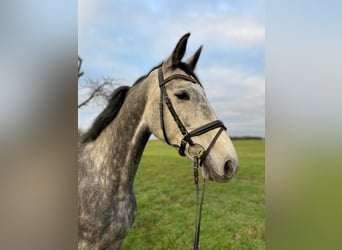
[(201, 153)]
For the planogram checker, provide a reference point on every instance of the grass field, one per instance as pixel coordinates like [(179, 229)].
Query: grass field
[(233, 213)]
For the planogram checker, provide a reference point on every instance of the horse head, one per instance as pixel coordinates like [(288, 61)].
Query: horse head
[(180, 114)]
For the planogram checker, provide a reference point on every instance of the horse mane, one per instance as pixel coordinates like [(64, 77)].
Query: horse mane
[(116, 101), (144, 76), (110, 112), (107, 115)]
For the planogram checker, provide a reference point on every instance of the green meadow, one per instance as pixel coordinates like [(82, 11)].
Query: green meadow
[(233, 214)]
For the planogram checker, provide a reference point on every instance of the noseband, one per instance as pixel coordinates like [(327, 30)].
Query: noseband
[(201, 155), (187, 136)]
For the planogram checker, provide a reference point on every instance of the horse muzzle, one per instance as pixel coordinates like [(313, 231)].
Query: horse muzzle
[(225, 174)]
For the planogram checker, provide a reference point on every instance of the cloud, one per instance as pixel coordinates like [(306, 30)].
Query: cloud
[(159, 23), (233, 31), (238, 98), (125, 39)]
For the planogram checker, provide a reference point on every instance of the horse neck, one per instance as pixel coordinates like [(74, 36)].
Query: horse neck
[(118, 149)]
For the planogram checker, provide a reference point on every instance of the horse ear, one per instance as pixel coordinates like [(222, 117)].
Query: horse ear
[(192, 61), (178, 52)]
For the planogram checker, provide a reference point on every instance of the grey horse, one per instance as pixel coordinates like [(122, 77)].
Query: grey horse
[(110, 151)]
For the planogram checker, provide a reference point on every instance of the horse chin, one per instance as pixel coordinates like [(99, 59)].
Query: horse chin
[(206, 176), (209, 176)]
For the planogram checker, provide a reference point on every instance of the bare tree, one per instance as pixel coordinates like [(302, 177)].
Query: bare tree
[(80, 73), (97, 90)]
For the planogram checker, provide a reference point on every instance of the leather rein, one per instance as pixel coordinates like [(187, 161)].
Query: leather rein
[(200, 156)]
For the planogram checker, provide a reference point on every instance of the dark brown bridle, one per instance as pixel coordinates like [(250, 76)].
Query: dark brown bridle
[(201, 155), (186, 135)]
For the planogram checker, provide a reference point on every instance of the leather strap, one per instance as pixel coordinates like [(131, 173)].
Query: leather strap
[(199, 131), (207, 127), (161, 105), (186, 135), (165, 98), (177, 76), (198, 159)]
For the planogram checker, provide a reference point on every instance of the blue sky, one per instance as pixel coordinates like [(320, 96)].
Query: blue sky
[(125, 39)]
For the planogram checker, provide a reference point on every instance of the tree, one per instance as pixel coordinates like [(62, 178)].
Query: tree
[(98, 90), (80, 73)]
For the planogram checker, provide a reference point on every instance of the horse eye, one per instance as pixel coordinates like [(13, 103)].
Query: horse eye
[(183, 96)]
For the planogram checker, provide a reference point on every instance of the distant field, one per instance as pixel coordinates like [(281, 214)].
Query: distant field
[(233, 213)]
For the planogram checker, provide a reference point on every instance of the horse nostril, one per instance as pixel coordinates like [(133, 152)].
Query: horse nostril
[(228, 169)]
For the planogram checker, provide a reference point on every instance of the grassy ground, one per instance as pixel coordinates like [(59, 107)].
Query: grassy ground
[(233, 213)]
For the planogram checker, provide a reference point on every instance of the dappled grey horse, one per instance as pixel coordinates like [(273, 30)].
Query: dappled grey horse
[(169, 102)]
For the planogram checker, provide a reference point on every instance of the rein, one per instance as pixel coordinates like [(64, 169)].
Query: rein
[(201, 154), (199, 203)]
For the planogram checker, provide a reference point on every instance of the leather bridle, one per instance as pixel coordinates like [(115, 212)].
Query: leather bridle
[(187, 136), (201, 155)]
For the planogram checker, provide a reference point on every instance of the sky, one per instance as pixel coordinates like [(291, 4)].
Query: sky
[(125, 39)]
